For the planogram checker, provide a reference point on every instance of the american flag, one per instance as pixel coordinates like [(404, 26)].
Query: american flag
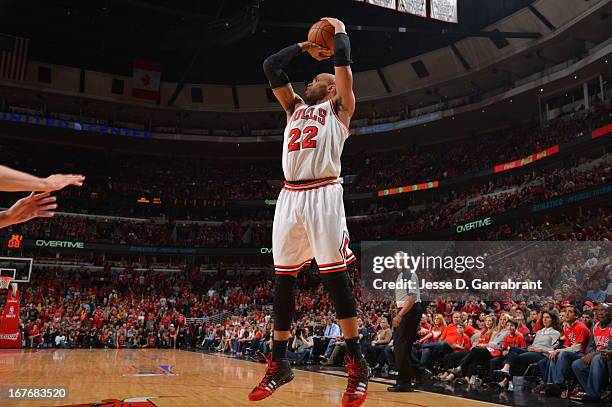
[(13, 57)]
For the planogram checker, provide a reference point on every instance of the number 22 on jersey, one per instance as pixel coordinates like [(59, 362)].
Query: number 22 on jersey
[(302, 139)]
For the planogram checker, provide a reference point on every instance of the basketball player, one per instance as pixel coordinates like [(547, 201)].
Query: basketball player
[(35, 205), (309, 221)]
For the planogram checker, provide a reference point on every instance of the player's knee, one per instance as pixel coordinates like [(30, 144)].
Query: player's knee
[(337, 285), (284, 302)]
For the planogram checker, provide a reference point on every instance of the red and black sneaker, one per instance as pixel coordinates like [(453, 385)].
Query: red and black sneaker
[(357, 389), (278, 372)]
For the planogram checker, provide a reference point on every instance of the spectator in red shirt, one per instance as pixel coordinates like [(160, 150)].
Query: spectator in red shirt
[(436, 331), (592, 369), (488, 346), (449, 335), (425, 325), (587, 318), (557, 367), (514, 339), (461, 346), (432, 336), (519, 317)]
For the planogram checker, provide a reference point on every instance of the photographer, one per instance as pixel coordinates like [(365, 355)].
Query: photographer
[(301, 346)]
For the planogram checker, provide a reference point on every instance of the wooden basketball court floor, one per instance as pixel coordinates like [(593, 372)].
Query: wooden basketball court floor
[(180, 378)]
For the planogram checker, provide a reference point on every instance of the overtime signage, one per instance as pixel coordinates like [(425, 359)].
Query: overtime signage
[(526, 160), (60, 244), (472, 225)]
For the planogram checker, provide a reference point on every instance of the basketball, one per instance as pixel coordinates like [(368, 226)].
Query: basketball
[(322, 33)]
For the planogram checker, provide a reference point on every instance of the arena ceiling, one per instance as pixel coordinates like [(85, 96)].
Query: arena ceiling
[(223, 41)]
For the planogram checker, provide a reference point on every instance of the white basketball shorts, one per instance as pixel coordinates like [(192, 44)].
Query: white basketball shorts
[(309, 222)]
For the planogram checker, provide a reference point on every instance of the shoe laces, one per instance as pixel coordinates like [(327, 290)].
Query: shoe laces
[(354, 374), (271, 369)]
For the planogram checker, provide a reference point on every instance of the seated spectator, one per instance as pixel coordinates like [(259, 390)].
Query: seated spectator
[(435, 331), (519, 359), (519, 317), (61, 341), (593, 369), (587, 317), (461, 345), (437, 350), (364, 336), (382, 339), (489, 346), (514, 340), (556, 368), (432, 336), (532, 320), (301, 346), (331, 334), (209, 338)]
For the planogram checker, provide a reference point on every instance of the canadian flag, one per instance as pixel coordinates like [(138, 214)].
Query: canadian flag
[(147, 79)]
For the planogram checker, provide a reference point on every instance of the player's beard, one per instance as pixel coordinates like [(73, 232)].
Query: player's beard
[(314, 96), (308, 98)]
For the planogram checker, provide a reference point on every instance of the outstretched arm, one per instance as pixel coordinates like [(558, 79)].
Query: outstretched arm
[(274, 67), (345, 98), (16, 181)]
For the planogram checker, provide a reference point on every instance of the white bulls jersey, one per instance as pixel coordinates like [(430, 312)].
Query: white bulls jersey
[(313, 143), (309, 219)]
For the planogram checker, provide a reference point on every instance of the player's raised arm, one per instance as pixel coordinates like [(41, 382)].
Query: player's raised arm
[(345, 98), (16, 181), (274, 67)]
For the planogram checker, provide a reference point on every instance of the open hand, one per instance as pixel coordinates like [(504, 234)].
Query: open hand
[(30, 207)]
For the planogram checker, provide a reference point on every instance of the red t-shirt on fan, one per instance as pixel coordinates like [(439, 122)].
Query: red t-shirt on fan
[(576, 333), (464, 342), (601, 336), (451, 335), (516, 340)]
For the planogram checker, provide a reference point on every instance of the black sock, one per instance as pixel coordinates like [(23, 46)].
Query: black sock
[(279, 350), (353, 349)]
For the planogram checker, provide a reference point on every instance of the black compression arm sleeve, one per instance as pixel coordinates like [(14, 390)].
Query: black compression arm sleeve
[(274, 64), (342, 50)]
